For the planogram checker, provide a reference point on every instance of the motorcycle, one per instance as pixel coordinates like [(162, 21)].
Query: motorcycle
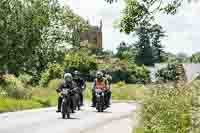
[(67, 106), (77, 98), (100, 100)]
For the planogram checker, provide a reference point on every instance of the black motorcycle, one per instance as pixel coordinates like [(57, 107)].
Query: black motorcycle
[(67, 106), (77, 98), (100, 100)]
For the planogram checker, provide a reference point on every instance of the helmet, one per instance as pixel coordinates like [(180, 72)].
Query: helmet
[(76, 74), (103, 72), (99, 75), (67, 77)]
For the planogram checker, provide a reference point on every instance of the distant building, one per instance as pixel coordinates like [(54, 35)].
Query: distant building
[(93, 35)]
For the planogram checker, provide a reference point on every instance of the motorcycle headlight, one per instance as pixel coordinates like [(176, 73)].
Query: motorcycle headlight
[(65, 92), (97, 94)]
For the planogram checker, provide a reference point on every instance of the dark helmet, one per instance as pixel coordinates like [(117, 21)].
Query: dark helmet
[(103, 72), (99, 75), (76, 74)]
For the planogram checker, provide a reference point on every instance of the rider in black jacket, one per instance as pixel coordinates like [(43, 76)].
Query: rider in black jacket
[(80, 83), (69, 84)]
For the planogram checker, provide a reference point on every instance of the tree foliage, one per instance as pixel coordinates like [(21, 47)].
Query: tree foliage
[(34, 33), (148, 46), (137, 12), (126, 52), (195, 58), (80, 60)]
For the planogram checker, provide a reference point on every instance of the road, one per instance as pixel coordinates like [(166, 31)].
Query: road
[(115, 119)]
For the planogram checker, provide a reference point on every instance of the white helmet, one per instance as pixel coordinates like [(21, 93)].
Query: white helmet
[(67, 77)]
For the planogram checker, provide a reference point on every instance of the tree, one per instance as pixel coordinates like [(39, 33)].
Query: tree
[(57, 36), (21, 24), (195, 58), (137, 12), (148, 46), (157, 34), (126, 52), (34, 33)]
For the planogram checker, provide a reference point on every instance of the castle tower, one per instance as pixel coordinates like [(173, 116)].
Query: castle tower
[(99, 36)]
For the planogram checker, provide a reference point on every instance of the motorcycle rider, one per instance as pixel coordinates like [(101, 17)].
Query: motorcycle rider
[(108, 93), (99, 82), (69, 84), (80, 84)]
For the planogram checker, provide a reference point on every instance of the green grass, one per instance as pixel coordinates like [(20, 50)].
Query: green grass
[(41, 97), (128, 92), (10, 104)]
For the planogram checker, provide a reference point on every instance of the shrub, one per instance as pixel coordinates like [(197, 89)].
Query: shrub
[(25, 78), (81, 61), (129, 73), (53, 71), (173, 72), (54, 84), (138, 74), (13, 87)]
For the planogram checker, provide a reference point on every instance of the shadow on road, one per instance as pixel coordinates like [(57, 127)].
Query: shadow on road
[(104, 112), (72, 118)]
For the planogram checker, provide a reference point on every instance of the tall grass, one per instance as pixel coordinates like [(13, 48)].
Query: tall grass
[(166, 110)]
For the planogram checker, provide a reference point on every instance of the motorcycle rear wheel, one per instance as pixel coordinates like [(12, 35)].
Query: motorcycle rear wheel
[(68, 115)]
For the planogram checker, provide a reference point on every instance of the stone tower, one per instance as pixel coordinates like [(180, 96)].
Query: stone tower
[(93, 35)]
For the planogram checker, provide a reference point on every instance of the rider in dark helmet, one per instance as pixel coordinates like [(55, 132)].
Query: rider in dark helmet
[(108, 77), (80, 83), (69, 84)]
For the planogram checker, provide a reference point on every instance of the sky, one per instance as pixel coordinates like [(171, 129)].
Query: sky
[(182, 29)]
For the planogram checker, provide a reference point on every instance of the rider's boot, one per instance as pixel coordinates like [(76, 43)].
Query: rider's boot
[(59, 104)]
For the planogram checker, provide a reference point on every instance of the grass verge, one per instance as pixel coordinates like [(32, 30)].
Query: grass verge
[(166, 109)]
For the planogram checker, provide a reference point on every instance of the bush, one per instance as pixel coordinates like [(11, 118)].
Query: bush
[(129, 73), (138, 74), (54, 84), (81, 61), (25, 78), (54, 71), (13, 87), (173, 72)]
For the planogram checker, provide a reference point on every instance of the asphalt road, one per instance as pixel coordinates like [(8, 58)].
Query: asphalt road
[(88, 120)]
